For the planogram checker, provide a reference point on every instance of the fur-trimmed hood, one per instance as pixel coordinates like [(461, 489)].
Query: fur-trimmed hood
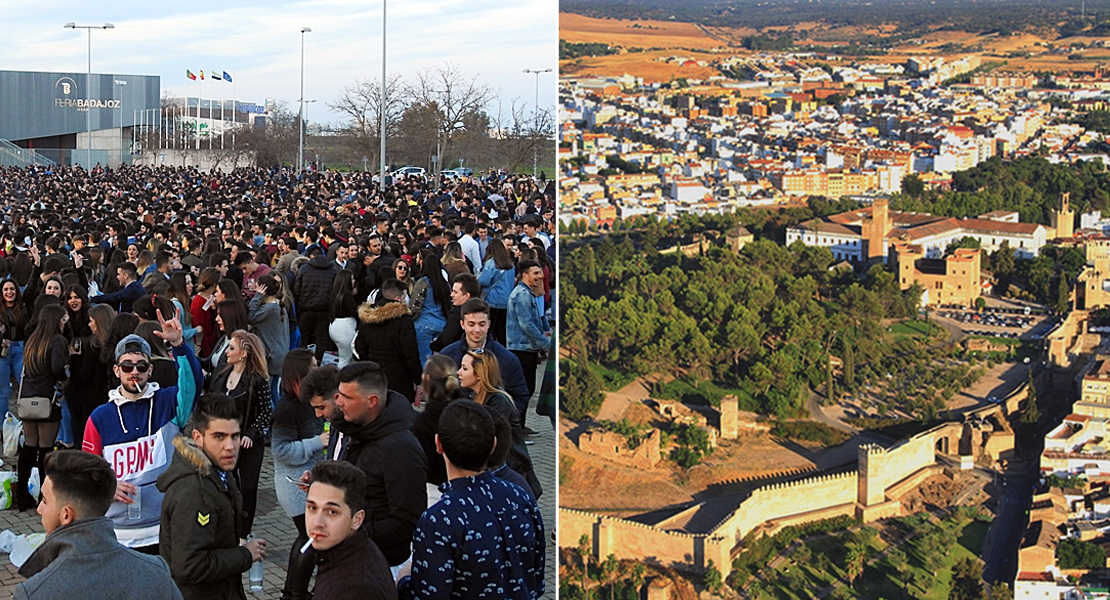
[(368, 313), (188, 460), (192, 453)]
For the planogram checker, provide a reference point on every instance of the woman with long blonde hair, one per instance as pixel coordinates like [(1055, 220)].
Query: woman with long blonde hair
[(247, 381), (480, 373)]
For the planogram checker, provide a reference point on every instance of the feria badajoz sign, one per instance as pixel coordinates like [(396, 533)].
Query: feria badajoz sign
[(67, 88)]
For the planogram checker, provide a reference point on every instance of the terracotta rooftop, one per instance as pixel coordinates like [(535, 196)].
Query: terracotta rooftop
[(923, 231), (987, 225), (907, 219), (824, 226), (1028, 576)]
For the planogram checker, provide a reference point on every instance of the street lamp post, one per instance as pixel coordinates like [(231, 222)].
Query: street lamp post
[(88, 87), (300, 124), (381, 112), (536, 150), (304, 122)]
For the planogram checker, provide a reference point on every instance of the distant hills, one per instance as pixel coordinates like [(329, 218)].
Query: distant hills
[(903, 18)]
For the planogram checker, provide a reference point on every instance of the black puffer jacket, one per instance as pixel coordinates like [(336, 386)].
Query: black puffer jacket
[(395, 469), (387, 336), (312, 290)]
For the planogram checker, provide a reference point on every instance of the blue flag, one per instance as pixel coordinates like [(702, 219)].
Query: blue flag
[(226, 76)]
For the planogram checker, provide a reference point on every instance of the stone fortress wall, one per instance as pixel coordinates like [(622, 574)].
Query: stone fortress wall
[(862, 492)]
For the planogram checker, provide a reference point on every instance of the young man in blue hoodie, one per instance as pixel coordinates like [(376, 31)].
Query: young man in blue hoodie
[(134, 432)]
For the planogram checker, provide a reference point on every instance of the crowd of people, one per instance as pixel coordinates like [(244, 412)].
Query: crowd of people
[(384, 344)]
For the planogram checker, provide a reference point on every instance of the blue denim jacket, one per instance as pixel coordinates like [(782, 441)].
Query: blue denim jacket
[(525, 326), (431, 316), (497, 284)]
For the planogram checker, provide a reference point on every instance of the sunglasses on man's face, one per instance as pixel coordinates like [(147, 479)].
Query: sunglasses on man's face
[(126, 367)]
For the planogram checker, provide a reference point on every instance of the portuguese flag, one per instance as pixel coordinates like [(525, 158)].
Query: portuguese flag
[(190, 75)]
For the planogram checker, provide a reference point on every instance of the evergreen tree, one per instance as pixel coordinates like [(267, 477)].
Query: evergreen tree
[(712, 578), (830, 384), (584, 551), (855, 560), (967, 575), (849, 365), (1063, 296), (1030, 413), (581, 395), (1001, 591)]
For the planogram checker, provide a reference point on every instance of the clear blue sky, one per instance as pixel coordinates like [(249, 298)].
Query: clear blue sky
[(259, 44)]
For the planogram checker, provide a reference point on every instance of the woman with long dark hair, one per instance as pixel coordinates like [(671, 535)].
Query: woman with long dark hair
[(203, 310), (497, 280), (431, 301), (344, 310), (231, 316), (46, 367), (180, 291), (268, 315), (15, 323), (298, 442), (245, 379), (77, 305), (89, 378), (77, 333)]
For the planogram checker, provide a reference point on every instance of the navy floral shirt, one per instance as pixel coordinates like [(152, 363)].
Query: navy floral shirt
[(483, 539)]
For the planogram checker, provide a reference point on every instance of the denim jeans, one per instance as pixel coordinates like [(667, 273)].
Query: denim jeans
[(424, 338), (65, 433), (10, 368)]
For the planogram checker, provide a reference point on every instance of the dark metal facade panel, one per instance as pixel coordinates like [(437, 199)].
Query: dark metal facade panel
[(36, 104)]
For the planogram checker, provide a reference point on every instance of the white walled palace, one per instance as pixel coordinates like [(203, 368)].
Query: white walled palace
[(868, 233)]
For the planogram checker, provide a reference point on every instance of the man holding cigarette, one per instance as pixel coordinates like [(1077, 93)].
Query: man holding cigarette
[(351, 567)]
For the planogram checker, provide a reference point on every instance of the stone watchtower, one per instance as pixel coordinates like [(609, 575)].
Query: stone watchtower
[(1063, 218), (730, 427), (871, 490)]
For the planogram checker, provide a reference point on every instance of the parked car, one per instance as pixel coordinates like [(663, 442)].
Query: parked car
[(410, 172)]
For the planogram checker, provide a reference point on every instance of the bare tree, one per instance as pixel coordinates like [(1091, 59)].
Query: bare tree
[(361, 105), (520, 139), (276, 143), (447, 90)]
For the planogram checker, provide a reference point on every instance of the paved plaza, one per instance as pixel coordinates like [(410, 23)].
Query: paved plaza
[(272, 524)]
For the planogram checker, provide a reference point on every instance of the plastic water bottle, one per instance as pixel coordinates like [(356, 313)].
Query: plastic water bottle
[(135, 509), (255, 575)]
